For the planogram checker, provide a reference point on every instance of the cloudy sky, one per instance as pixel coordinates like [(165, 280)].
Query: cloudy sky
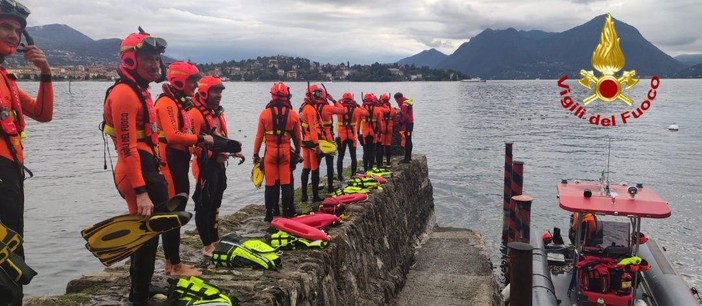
[(360, 31)]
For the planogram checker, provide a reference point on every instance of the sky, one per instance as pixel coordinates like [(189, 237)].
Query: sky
[(358, 31)]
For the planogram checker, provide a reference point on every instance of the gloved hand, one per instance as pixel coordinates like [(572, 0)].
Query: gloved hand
[(256, 159)]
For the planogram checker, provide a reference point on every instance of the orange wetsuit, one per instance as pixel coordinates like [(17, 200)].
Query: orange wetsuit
[(175, 139), (327, 112), (14, 104), (134, 131), (278, 125), (41, 110), (309, 120)]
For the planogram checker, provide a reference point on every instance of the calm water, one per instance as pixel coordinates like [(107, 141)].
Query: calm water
[(461, 127)]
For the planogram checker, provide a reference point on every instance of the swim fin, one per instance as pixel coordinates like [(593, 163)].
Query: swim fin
[(17, 270), (222, 144), (116, 238), (327, 147), (9, 241), (257, 175)]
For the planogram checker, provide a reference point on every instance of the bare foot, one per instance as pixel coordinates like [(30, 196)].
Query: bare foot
[(207, 250), (167, 267), (182, 269)]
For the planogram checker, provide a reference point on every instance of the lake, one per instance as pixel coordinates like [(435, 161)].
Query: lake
[(460, 126)]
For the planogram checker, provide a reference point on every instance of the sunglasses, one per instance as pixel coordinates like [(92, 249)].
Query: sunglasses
[(14, 7)]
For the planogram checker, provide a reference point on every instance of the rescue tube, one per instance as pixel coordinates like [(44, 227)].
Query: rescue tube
[(346, 199), (299, 229), (381, 180), (318, 220)]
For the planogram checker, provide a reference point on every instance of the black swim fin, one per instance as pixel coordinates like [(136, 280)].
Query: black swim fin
[(116, 238), (225, 145)]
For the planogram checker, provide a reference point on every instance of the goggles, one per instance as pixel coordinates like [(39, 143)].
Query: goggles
[(155, 43), (318, 94), (14, 7)]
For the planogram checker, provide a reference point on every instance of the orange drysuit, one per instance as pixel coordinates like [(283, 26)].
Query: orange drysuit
[(311, 131), (348, 122), (279, 125), (385, 125)]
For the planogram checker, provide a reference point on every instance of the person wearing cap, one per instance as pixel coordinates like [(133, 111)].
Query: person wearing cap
[(278, 126), (130, 119), (209, 169), (15, 104), (175, 138), (406, 123)]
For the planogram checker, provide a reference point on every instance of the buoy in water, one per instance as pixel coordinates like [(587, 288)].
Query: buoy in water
[(673, 127)]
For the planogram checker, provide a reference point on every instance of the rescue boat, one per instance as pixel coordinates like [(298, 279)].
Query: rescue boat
[(609, 261)]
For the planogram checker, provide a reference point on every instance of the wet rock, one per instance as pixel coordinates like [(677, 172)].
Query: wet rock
[(366, 262)]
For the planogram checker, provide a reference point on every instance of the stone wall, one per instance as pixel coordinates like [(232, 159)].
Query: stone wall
[(366, 262)]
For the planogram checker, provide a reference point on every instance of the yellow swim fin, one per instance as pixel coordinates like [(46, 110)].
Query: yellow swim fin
[(327, 147), (257, 175), (116, 238)]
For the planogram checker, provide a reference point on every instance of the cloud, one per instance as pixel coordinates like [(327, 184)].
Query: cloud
[(361, 31)]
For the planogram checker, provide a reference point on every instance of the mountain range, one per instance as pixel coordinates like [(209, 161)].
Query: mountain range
[(492, 54), (513, 54), (66, 46)]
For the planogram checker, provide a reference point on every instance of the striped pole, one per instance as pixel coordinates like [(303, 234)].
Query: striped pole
[(507, 191), (523, 212), (517, 181)]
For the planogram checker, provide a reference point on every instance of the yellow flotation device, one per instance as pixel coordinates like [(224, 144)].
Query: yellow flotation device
[(257, 175), (327, 147)]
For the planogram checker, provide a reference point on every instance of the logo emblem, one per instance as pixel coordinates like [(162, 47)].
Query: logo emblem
[(608, 59), (609, 84)]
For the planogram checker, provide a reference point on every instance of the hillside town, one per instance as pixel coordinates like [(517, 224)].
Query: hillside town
[(274, 68)]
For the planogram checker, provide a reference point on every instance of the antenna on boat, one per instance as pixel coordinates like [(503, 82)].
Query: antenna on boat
[(609, 152)]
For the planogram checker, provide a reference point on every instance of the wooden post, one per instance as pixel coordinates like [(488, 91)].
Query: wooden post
[(507, 192)]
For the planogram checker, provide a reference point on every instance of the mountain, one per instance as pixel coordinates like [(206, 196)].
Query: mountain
[(512, 54), (690, 59), (429, 58), (64, 45), (691, 72)]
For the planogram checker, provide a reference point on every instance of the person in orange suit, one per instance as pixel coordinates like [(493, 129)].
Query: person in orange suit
[(278, 125), (209, 167), (385, 125), (370, 129), (176, 137), (130, 119), (14, 105), (326, 114), (346, 129), (310, 120)]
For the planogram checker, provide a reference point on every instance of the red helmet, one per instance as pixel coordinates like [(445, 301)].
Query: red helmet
[(206, 83), (385, 98), (134, 42), (280, 91), (370, 97), (15, 10), (347, 96), (179, 72), (546, 238)]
